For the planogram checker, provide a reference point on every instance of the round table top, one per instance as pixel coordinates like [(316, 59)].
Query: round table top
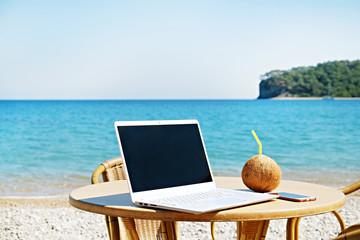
[(113, 199)]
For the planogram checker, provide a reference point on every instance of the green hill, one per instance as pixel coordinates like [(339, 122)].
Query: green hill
[(340, 78)]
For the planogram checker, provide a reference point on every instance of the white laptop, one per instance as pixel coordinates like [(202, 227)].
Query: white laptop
[(167, 167)]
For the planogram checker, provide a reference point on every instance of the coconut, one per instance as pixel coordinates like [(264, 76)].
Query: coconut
[(261, 173)]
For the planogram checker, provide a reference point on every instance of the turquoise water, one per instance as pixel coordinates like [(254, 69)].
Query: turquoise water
[(52, 147)]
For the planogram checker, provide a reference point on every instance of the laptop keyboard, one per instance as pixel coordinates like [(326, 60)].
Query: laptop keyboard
[(209, 195)]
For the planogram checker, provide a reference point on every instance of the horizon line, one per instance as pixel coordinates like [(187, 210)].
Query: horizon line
[(130, 99)]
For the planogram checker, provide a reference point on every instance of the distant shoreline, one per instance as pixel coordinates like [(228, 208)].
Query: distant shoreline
[(312, 98)]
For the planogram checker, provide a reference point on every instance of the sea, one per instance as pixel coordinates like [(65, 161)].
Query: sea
[(50, 147)]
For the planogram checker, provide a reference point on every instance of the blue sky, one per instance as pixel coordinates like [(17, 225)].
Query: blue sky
[(165, 49)]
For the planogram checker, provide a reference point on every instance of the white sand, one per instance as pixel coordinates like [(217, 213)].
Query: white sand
[(56, 219)]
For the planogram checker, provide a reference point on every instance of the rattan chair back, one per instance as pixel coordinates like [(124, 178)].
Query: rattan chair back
[(126, 228)]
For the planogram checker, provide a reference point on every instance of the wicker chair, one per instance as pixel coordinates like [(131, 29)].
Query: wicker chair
[(345, 231), (128, 228), (350, 233)]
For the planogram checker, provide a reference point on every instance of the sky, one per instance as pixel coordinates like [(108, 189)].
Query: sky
[(189, 49)]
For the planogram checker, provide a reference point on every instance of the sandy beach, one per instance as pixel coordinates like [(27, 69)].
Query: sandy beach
[(55, 219)]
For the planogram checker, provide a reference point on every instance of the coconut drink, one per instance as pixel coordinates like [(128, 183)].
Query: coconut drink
[(261, 173)]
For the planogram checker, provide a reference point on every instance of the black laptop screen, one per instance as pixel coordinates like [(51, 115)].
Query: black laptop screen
[(161, 156)]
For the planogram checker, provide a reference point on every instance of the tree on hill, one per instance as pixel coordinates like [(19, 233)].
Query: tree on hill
[(342, 76)]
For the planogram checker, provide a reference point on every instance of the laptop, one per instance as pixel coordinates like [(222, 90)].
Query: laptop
[(167, 167)]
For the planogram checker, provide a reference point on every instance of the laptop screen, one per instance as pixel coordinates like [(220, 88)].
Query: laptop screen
[(162, 156)]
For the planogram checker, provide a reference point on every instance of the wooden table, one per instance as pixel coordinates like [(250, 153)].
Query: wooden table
[(113, 199)]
